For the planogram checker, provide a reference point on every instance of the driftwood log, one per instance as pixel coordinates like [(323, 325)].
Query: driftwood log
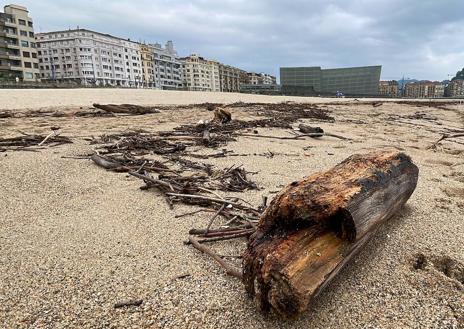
[(306, 129), (222, 116), (313, 227), (126, 108)]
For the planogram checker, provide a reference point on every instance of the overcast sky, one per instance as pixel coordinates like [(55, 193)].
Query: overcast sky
[(422, 39)]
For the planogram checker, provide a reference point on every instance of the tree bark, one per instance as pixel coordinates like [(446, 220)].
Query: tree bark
[(313, 227)]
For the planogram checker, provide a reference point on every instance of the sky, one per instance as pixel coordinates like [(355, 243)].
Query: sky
[(421, 39)]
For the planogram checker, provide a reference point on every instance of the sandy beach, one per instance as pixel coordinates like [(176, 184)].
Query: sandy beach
[(76, 239)]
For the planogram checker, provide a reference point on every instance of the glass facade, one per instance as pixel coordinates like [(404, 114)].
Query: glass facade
[(350, 81)]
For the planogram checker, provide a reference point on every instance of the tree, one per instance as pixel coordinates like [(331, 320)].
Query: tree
[(459, 75)]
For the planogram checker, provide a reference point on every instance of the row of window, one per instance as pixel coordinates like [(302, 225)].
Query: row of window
[(25, 43), (29, 54), (84, 65), (23, 22)]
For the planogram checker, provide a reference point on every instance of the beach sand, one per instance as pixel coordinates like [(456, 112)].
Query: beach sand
[(75, 239)]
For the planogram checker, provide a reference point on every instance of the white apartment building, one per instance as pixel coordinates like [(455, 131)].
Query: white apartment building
[(89, 58), (160, 66), (167, 67), (200, 74)]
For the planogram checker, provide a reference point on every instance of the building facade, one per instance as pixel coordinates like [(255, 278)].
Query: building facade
[(424, 89), (18, 53), (229, 78), (89, 58), (389, 88), (200, 74), (260, 79), (351, 81), (148, 74), (167, 67), (455, 88)]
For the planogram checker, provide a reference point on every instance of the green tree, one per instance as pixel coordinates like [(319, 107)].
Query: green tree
[(459, 75)]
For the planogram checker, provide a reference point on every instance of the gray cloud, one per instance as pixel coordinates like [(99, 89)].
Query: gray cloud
[(419, 38)]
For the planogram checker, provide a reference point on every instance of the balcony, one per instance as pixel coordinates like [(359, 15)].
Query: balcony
[(10, 32), (12, 45), (16, 67), (9, 24), (14, 56)]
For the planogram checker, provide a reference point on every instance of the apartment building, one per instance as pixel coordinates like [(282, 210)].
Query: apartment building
[(200, 74), (89, 58), (455, 88), (229, 78), (18, 53), (424, 89), (148, 73), (389, 88), (161, 68), (167, 67), (260, 79)]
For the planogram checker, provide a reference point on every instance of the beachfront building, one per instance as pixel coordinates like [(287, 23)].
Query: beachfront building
[(259, 83), (424, 89), (161, 69), (89, 58), (167, 67), (350, 81), (229, 77), (389, 88), (260, 79), (455, 88), (148, 75), (200, 74), (18, 53)]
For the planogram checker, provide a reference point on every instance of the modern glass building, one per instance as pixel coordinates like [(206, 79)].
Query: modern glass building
[(350, 81)]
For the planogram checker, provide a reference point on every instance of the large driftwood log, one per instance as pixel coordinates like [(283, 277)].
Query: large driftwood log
[(314, 226)]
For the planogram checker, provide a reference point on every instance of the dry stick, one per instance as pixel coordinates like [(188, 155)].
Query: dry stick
[(152, 180), (209, 191), (226, 233), (231, 221), (193, 213), (202, 197), (230, 270), (195, 231), (227, 237), (294, 137), (446, 137), (214, 217), (46, 138), (131, 302)]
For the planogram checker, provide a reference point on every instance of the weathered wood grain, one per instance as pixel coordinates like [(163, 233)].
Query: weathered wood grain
[(313, 227)]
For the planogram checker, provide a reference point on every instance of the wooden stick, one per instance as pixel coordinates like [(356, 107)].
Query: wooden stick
[(202, 197), (294, 137), (195, 231), (214, 217), (226, 233), (227, 267), (193, 213), (445, 137), (46, 138), (152, 180), (228, 237), (130, 302)]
